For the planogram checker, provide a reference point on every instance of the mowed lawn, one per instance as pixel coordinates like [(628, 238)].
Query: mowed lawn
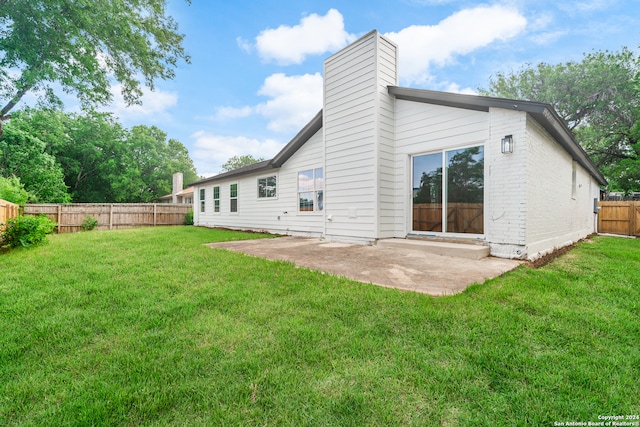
[(149, 326)]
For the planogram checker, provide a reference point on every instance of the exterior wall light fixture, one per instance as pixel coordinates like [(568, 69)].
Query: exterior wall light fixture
[(507, 144)]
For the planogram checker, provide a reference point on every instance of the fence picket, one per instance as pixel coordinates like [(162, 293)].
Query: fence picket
[(111, 215)]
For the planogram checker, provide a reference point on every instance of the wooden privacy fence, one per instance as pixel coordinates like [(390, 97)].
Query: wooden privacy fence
[(619, 218), (111, 216), (8, 210), (461, 217)]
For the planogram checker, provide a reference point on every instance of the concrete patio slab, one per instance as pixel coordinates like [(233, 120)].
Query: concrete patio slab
[(401, 267)]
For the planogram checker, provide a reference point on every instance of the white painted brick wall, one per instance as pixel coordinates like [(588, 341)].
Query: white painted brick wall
[(555, 217), (505, 184)]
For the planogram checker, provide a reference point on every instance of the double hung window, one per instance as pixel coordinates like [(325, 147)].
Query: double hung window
[(233, 198), (311, 190), (202, 199), (216, 199)]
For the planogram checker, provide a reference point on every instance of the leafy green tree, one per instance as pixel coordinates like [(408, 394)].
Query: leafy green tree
[(24, 156), (85, 46), (148, 163), (599, 100), (103, 162), (236, 162), (12, 190), (178, 160)]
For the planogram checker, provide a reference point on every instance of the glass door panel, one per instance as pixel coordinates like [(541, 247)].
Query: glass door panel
[(427, 192), (465, 190)]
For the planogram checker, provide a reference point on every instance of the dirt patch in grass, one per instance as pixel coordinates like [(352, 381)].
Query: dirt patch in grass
[(546, 259)]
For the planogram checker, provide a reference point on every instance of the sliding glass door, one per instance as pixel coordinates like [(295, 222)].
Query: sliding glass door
[(448, 191)]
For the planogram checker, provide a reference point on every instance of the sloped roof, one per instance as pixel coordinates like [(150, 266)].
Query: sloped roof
[(294, 145), (542, 113)]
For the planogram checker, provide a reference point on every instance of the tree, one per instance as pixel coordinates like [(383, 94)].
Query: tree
[(236, 162), (101, 161), (148, 164), (12, 190), (23, 155), (84, 46), (598, 99)]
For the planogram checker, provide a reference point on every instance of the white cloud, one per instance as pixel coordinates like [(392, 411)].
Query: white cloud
[(210, 151), (548, 37), (226, 113), (244, 44), (314, 35), (455, 88), (421, 47), (584, 6), (294, 100), (154, 104)]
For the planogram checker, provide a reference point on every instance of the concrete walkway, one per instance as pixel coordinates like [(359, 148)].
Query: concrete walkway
[(407, 267)]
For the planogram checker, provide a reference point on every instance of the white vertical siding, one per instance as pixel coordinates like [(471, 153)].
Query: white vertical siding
[(555, 215), (276, 215)]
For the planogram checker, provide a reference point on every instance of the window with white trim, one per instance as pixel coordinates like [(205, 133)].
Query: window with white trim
[(233, 198), (311, 190), (216, 198), (267, 187), (202, 199)]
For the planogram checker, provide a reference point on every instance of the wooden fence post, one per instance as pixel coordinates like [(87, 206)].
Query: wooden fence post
[(154, 214), (110, 217), (59, 217)]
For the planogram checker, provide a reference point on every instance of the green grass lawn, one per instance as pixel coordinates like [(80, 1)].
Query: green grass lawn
[(150, 327)]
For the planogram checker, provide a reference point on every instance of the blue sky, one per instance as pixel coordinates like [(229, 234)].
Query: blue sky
[(255, 76)]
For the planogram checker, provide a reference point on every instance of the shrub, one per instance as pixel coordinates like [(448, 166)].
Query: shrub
[(188, 218), (12, 190), (26, 230), (89, 223)]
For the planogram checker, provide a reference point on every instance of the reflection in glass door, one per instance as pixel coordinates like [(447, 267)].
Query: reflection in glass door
[(427, 192), (463, 183)]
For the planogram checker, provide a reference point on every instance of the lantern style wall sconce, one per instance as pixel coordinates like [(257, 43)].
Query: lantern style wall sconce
[(507, 144)]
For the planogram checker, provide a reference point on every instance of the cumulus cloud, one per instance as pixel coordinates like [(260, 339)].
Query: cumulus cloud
[(455, 88), (155, 104), (294, 100), (314, 35), (227, 113), (423, 46), (210, 151)]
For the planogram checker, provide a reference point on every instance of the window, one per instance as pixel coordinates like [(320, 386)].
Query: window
[(310, 190), (216, 198), (233, 198), (452, 201), (202, 200), (267, 187)]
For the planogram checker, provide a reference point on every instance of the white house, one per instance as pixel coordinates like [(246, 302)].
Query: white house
[(380, 162)]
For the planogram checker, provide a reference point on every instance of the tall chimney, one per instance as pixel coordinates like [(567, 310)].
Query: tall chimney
[(177, 186)]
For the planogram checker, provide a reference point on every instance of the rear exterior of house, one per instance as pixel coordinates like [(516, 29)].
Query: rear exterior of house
[(380, 161)]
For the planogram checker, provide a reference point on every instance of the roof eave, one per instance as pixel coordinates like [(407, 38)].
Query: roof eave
[(541, 112), (294, 145)]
